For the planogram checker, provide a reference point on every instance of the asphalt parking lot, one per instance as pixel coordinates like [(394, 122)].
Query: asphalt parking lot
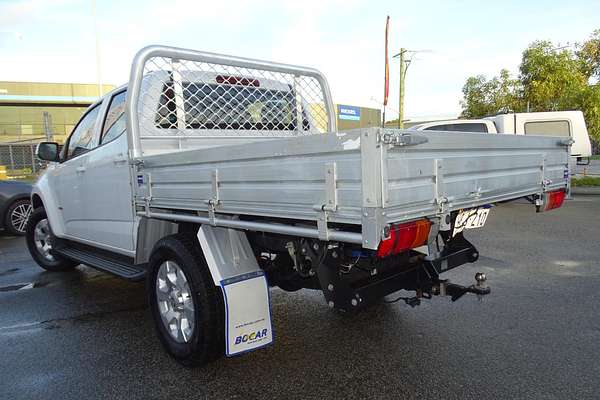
[(88, 335)]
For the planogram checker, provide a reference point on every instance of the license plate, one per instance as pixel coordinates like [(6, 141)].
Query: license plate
[(470, 219)]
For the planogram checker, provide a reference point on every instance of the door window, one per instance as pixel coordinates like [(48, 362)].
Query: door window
[(114, 124), (82, 138)]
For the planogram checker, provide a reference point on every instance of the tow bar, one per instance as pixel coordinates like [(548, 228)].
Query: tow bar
[(349, 293), (446, 288), (480, 288)]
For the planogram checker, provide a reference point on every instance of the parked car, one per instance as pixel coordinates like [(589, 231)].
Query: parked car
[(214, 177), (551, 123), (15, 206)]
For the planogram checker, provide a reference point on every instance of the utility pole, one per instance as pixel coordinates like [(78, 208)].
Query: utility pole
[(48, 127), (403, 62)]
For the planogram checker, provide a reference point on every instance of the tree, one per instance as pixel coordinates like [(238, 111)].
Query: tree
[(487, 97), (591, 111), (475, 102), (551, 78), (589, 55)]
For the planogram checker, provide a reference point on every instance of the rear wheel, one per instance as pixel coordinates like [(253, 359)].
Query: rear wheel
[(16, 217), (187, 307), (40, 241)]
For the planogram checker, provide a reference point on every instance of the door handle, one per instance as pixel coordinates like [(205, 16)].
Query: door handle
[(80, 170), (119, 160)]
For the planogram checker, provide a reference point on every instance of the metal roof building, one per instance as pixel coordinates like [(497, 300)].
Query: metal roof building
[(33, 111)]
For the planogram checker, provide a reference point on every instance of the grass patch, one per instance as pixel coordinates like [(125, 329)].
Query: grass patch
[(595, 157), (586, 181)]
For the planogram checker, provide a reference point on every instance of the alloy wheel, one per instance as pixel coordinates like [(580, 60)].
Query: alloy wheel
[(175, 302), (42, 237), (19, 216)]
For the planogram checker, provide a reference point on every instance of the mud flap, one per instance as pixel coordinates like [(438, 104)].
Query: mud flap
[(233, 267), (247, 313)]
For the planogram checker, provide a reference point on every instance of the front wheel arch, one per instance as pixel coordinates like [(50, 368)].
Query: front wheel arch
[(36, 201), (57, 263)]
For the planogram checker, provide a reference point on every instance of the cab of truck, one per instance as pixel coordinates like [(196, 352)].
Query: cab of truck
[(552, 123)]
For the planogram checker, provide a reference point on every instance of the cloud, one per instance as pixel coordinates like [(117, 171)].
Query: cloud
[(342, 38), (16, 12)]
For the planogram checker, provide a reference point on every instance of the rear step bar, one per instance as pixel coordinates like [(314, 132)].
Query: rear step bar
[(104, 263)]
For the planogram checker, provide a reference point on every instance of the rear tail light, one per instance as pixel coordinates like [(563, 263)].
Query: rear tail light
[(554, 199), (404, 237)]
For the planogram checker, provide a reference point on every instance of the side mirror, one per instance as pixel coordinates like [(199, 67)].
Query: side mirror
[(47, 151)]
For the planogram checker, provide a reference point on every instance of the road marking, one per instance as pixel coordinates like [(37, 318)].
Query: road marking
[(17, 286), (20, 327)]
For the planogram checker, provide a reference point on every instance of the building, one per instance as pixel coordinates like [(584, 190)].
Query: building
[(31, 112), (347, 117), (34, 111), (353, 117)]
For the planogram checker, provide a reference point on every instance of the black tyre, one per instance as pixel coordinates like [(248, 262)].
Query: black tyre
[(17, 214), (187, 307), (40, 241)]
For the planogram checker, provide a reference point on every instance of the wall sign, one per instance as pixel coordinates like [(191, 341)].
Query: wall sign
[(349, 113)]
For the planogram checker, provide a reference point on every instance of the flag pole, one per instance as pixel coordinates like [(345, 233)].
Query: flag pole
[(386, 88)]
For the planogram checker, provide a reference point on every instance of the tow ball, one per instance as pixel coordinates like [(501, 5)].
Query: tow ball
[(455, 291), (445, 288)]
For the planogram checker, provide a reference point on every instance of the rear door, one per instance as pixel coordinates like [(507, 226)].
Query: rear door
[(107, 188)]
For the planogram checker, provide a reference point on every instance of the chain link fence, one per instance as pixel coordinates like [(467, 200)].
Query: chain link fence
[(17, 156), (18, 161)]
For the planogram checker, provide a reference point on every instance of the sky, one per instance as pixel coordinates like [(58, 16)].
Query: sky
[(54, 41)]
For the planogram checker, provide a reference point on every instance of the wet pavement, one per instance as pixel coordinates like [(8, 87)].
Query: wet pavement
[(87, 335)]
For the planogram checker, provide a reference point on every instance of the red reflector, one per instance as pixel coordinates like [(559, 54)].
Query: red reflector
[(387, 245), (404, 237), (554, 199), (237, 80)]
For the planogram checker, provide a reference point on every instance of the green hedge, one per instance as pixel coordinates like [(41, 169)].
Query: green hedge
[(586, 181)]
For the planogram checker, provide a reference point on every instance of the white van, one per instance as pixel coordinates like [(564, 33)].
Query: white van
[(554, 123)]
